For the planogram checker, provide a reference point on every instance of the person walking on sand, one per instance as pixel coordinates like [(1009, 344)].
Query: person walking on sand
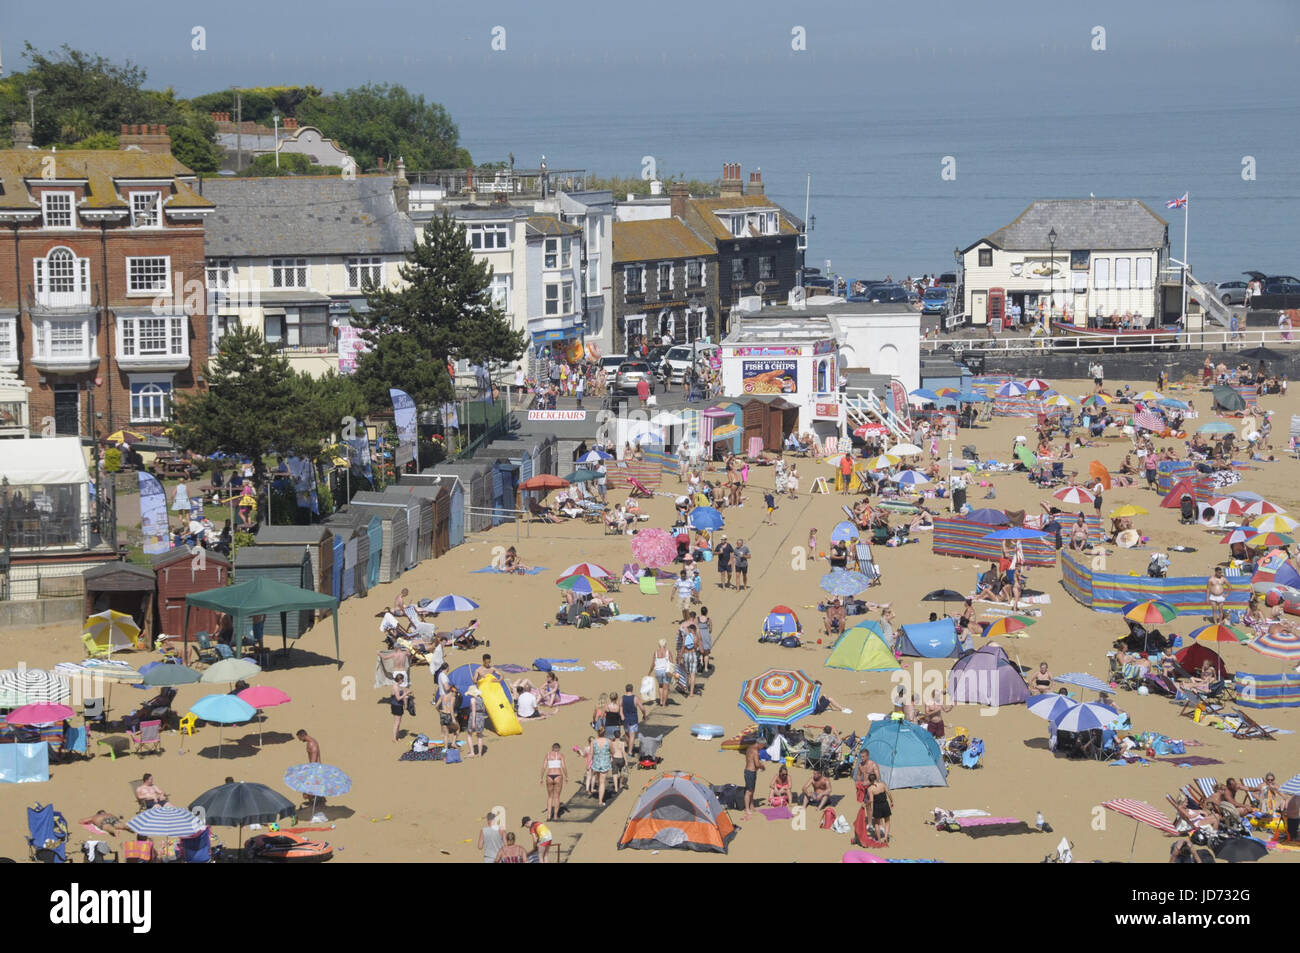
[(489, 839), (397, 704), (477, 719), (633, 713), (554, 776), (770, 501), (879, 803), (753, 765), (704, 625), (601, 762), (1216, 594), (447, 718), (742, 564), (661, 668), (724, 555)]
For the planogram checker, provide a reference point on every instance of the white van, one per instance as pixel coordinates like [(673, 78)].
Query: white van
[(678, 360)]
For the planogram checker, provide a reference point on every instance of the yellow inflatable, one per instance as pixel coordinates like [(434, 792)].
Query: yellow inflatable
[(499, 710)]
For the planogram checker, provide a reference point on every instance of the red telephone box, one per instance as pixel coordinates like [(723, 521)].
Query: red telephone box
[(997, 308)]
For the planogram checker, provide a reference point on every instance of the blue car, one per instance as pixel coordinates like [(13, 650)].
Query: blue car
[(935, 301)]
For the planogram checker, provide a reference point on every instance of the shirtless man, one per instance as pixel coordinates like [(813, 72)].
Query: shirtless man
[(485, 670), (753, 765), (447, 718), (819, 788), (313, 757), (149, 794), (107, 822), (1216, 593)]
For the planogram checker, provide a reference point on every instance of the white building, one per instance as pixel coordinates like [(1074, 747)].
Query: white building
[(1090, 258)]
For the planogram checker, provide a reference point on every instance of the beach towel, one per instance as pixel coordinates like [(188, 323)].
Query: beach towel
[(94, 830), (528, 572), (632, 617), (567, 699), (607, 665), (983, 821), (1190, 760), (512, 668), (568, 668), (555, 661), (776, 813), (1005, 827)]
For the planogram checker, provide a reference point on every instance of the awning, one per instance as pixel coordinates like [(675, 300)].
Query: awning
[(561, 334), (49, 461), (725, 431)]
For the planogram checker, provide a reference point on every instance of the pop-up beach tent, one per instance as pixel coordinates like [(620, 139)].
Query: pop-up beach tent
[(929, 639), (678, 810), (908, 755), (863, 649), (262, 596), (986, 677)]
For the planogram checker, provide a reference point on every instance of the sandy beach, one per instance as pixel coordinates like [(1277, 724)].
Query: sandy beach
[(431, 811)]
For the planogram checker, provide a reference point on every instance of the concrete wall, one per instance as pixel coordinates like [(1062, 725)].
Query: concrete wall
[(1133, 366), (42, 611)]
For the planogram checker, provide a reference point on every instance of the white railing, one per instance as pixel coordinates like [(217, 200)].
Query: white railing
[(1160, 340), (864, 406)]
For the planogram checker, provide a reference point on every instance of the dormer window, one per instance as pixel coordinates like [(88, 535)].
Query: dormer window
[(56, 208), (738, 225), (146, 209)]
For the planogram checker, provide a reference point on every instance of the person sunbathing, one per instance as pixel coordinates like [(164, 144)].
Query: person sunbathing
[(107, 822), (549, 696), (992, 585), (513, 563)]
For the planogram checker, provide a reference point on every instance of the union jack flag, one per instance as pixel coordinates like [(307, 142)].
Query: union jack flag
[(1177, 203)]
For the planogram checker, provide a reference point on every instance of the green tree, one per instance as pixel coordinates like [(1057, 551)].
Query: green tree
[(99, 93), (97, 140), (194, 150), (444, 311), (291, 163), (388, 121)]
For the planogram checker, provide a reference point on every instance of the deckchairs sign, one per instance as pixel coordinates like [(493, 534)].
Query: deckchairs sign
[(404, 419)]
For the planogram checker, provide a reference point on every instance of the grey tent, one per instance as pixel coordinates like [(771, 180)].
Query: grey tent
[(1225, 398), (986, 677)]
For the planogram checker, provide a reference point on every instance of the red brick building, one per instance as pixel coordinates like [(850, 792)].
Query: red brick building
[(102, 295)]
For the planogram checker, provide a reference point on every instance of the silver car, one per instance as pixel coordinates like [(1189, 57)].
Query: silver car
[(1231, 292), (632, 373)]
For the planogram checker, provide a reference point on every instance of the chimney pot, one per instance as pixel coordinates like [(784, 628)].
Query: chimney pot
[(677, 196), (380, 160)]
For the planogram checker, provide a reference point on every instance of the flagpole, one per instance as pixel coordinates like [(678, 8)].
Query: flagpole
[(1187, 213)]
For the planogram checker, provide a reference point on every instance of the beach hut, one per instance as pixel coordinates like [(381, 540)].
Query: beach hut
[(678, 810), (410, 507), (448, 494), (316, 539), (122, 587), (769, 420), (179, 573), (393, 525), (986, 677), (531, 453), (505, 478), (475, 478), (363, 539), (908, 755), (929, 639), (424, 500), (287, 565), (863, 649)]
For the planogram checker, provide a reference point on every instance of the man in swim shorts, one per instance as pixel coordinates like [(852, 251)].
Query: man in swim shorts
[(1216, 593), (752, 766)]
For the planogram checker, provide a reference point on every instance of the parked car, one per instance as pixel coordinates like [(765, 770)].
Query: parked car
[(678, 360), (936, 301), (610, 363), (860, 288), (631, 373), (886, 293), (1231, 292)]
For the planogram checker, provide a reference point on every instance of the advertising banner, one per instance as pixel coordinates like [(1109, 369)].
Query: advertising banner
[(153, 515), (770, 377)]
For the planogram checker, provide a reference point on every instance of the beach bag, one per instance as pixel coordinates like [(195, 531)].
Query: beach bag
[(647, 688), (420, 744), (584, 621), (452, 756), (790, 642), (541, 665), (410, 704), (841, 825)]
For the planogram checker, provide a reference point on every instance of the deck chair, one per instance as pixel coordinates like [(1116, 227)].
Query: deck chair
[(649, 585), (93, 648), (1250, 728), (139, 804), (538, 514), (195, 849), (210, 651), (47, 835), (1192, 700), (148, 737), (93, 709), (866, 566), (639, 489)]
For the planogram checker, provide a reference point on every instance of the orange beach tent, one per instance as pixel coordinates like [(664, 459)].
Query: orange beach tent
[(678, 810)]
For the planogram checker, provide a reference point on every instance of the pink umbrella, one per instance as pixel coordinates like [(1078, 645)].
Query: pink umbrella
[(654, 547), (862, 857), (1076, 495), (39, 713), (263, 696)]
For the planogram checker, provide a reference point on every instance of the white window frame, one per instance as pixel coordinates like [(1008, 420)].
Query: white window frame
[(8, 340), (1101, 274), (628, 272), (770, 225), (361, 267), (557, 253), (1142, 277), (43, 278), (659, 276), (71, 210), (296, 268), (503, 287), (737, 225), (175, 336), (154, 210), (593, 276), (1122, 274), (488, 237), (164, 396), (558, 298), (46, 329), (134, 289), (219, 272)]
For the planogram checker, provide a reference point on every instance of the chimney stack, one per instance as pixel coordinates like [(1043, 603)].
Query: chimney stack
[(401, 187), (22, 135), (290, 123), (151, 139), (380, 160), (756, 182), (731, 184), (677, 196)]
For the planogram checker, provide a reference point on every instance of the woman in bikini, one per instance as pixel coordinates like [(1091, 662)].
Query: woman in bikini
[(779, 793), (1042, 683), (554, 775), (618, 760), (550, 693)]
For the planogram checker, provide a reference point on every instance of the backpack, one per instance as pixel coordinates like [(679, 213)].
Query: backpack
[(584, 621), (791, 642)]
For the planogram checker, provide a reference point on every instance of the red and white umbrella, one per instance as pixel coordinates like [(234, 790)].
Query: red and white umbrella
[(871, 430), (1149, 421), (1242, 534), (1141, 811), (1227, 506), (1075, 495), (1037, 384), (1263, 508)]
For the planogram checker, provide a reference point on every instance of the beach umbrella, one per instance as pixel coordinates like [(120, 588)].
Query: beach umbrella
[(39, 713), (1291, 785), (317, 780), (1242, 534), (910, 478), (1050, 706), (1098, 471), (924, 395), (1274, 523), (588, 569), (1008, 624), (263, 696), (1280, 643), (582, 584), (706, 517), (1058, 400), (1217, 632), (229, 670), (1266, 586), (1227, 506), (833, 460), (1143, 813), (844, 531), (1149, 395), (121, 436), (452, 603), (976, 399), (223, 710), (1015, 532), (1096, 400), (654, 547), (843, 582), (117, 630), (943, 595), (1083, 680), (781, 620), (1240, 850), (1150, 612), (1149, 421), (903, 450), (165, 820), (595, 456), (1074, 495), (871, 430), (1085, 716), (778, 697), (882, 462), (1012, 389), (948, 392), (1175, 404), (240, 803), (25, 686), (1216, 426), (1263, 508), (1026, 456), (162, 674), (989, 517), (582, 476), (1128, 509), (544, 481), (1272, 539), (1037, 384)]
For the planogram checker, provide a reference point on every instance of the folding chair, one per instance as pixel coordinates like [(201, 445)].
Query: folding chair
[(866, 566), (93, 648), (93, 709), (149, 736), (1250, 728), (1194, 700)]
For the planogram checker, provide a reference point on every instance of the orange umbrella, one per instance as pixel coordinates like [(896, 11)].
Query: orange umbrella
[(1100, 472), (544, 481)]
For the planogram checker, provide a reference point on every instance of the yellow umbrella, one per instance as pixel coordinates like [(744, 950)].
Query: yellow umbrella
[(1059, 400), (1128, 509), (118, 436), (112, 629), (1275, 523), (882, 462), (1150, 395)]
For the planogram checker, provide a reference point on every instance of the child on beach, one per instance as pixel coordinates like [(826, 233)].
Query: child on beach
[(812, 541), (770, 501), (586, 755)]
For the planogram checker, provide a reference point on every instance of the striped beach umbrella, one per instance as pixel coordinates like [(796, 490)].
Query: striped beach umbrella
[(581, 583), (1150, 612), (26, 686), (948, 392), (778, 697), (1074, 495), (165, 820), (1150, 395), (882, 462), (1083, 680), (1272, 539), (1037, 384), (1012, 389), (112, 629), (1242, 534), (1217, 632), (1274, 523), (1007, 624), (1291, 785), (1058, 400), (1226, 505), (593, 570), (1149, 421), (910, 478), (1263, 508), (1280, 643), (1142, 812), (1050, 706), (452, 603), (844, 531), (1085, 717)]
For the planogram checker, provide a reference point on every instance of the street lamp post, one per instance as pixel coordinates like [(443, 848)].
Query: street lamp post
[(275, 118), (32, 93), (959, 292), (1051, 275)]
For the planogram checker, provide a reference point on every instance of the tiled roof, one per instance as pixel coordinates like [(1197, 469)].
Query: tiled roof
[(656, 240), (1083, 224), (548, 225), (705, 210), (103, 169), (306, 215)]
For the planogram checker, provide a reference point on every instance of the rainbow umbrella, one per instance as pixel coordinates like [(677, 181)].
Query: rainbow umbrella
[(581, 583), (1272, 539), (1075, 495), (654, 547), (588, 569), (1150, 612), (947, 392), (1007, 624), (1283, 644), (1263, 508), (778, 697), (1098, 400), (1217, 632), (1275, 523)]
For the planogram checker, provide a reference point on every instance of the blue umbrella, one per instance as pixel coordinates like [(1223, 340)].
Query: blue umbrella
[(1084, 680), (843, 582), (706, 517), (910, 478), (922, 393), (975, 398), (1016, 532), (1172, 402), (1085, 717), (594, 456), (1051, 706), (1012, 389), (989, 517), (158, 674), (452, 603), (844, 531), (1291, 786), (318, 780), (223, 710), (165, 820)]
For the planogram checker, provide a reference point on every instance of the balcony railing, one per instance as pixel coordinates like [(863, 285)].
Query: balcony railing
[(45, 300)]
